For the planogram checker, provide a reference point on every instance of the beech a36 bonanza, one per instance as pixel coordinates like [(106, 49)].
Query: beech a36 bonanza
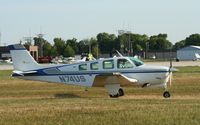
[(111, 73)]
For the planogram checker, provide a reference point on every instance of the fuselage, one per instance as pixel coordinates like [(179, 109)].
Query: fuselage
[(84, 73)]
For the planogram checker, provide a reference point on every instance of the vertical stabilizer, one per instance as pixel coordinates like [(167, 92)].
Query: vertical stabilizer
[(22, 60)]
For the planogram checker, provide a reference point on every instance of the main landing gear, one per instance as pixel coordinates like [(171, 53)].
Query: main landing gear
[(166, 94), (120, 93)]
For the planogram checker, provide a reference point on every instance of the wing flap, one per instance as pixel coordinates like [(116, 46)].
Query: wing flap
[(113, 78)]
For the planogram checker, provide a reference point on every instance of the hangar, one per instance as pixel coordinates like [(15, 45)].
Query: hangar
[(189, 53)]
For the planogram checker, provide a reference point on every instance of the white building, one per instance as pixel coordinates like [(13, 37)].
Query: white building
[(189, 53)]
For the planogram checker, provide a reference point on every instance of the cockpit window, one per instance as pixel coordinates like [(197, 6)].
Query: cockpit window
[(124, 63), (136, 61)]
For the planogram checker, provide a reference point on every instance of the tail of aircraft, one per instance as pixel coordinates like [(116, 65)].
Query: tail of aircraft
[(22, 60)]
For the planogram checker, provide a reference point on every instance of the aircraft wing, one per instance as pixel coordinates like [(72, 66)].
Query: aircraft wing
[(113, 78)]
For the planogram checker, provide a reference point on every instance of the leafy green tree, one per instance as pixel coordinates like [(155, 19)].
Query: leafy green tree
[(137, 48), (93, 42), (47, 47), (40, 42), (193, 39), (73, 44), (69, 52), (83, 46), (107, 42), (179, 45), (60, 45), (95, 51), (159, 42), (53, 51), (94, 47), (136, 42)]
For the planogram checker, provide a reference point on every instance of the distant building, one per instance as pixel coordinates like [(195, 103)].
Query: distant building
[(4, 52), (33, 51), (189, 53)]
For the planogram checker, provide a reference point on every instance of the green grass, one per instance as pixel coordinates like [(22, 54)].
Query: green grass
[(188, 69), (36, 103)]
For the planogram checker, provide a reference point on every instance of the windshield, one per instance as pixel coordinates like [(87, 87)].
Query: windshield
[(136, 61)]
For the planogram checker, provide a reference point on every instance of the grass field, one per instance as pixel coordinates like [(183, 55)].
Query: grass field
[(36, 103)]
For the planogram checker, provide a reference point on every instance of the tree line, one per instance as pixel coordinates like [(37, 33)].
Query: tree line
[(108, 43)]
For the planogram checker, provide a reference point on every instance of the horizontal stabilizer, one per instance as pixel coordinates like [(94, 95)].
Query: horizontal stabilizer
[(21, 73)]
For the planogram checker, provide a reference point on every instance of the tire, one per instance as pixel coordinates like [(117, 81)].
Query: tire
[(166, 94), (114, 96), (121, 92)]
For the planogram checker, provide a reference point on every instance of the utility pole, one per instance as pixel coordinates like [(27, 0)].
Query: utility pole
[(40, 36), (128, 45), (28, 39), (146, 50), (97, 50), (90, 47)]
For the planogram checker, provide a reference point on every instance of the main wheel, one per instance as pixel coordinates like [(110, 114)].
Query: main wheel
[(166, 94), (121, 92)]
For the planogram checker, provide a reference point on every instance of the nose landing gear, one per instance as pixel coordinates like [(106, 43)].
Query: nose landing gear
[(121, 92)]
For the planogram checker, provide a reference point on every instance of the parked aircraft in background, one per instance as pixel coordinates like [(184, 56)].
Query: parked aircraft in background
[(111, 73), (8, 61)]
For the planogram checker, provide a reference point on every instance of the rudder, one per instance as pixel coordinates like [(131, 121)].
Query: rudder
[(22, 60)]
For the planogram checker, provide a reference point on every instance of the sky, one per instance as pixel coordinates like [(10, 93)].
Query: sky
[(83, 19)]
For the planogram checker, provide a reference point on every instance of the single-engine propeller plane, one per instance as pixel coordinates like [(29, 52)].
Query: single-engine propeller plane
[(111, 73)]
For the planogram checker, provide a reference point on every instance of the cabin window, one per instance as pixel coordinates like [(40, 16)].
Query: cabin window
[(83, 67), (108, 64), (94, 66), (124, 63)]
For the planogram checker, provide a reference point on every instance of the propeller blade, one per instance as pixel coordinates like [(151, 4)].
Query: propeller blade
[(170, 63), (173, 69), (170, 79)]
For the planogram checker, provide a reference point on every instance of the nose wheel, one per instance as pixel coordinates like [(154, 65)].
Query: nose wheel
[(121, 92), (166, 94)]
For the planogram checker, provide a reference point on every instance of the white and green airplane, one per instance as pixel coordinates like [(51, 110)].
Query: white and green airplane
[(111, 73)]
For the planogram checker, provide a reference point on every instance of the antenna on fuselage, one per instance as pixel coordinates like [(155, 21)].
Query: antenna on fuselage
[(120, 55)]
